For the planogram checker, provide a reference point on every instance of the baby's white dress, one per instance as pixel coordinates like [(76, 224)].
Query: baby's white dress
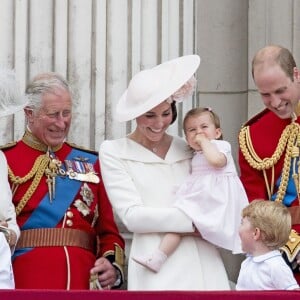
[(214, 198)]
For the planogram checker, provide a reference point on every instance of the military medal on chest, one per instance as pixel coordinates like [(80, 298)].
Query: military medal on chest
[(49, 165), (83, 205), (81, 169), (77, 169)]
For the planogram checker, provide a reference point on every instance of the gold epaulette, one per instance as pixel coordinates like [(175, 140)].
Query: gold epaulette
[(255, 118), (292, 247), (73, 145), (8, 145)]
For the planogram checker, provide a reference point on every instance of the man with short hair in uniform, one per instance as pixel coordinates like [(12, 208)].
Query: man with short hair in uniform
[(69, 239), (270, 142)]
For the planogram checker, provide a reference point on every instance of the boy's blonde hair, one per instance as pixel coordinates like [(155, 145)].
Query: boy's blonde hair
[(272, 218)]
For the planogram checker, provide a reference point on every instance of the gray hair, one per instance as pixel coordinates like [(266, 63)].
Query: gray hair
[(42, 84)]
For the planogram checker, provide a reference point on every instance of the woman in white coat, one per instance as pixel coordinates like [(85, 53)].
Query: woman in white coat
[(141, 171), (10, 102)]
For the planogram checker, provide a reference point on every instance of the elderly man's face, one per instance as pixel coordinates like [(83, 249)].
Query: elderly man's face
[(51, 123)]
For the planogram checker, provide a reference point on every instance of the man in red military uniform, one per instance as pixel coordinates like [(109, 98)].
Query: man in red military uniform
[(270, 142), (69, 239)]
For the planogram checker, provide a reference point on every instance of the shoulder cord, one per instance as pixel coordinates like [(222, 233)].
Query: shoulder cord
[(289, 141), (37, 171)]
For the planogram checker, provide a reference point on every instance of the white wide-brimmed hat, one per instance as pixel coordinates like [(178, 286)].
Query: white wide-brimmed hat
[(151, 87), (11, 99)]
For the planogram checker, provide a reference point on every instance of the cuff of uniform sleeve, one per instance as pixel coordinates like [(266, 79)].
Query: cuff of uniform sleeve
[(120, 277), (117, 258)]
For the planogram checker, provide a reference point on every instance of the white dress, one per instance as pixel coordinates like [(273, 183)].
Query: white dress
[(7, 210), (214, 198), (6, 273), (140, 187)]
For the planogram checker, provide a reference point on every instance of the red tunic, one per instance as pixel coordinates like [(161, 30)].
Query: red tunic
[(265, 131), (53, 267)]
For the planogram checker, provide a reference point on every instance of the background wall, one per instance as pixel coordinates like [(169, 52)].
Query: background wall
[(98, 45)]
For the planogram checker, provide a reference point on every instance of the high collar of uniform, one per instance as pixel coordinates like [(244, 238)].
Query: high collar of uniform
[(297, 109), (32, 141)]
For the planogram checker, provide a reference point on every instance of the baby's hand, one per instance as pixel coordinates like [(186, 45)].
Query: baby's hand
[(200, 137)]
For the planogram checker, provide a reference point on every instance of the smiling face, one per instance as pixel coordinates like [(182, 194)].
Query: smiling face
[(51, 123), (279, 93), (153, 124)]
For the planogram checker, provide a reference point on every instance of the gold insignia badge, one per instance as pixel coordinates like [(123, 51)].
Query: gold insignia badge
[(82, 207), (292, 247), (87, 194)]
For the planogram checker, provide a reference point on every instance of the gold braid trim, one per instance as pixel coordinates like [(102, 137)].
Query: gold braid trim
[(37, 172), (250, 155), (288, 141)]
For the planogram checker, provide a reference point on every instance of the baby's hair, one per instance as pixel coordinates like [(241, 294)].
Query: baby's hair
[(272, 218), (194, 112)]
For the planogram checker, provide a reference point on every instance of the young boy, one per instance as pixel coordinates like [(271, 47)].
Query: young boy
[(265, 227)]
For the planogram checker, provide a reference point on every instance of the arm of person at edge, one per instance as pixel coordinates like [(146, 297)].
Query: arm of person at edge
[(108, 266), (7, 209), (128, 204)]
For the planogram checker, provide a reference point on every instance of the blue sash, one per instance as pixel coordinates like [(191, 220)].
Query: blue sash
[(48, 214), (291, 192)]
